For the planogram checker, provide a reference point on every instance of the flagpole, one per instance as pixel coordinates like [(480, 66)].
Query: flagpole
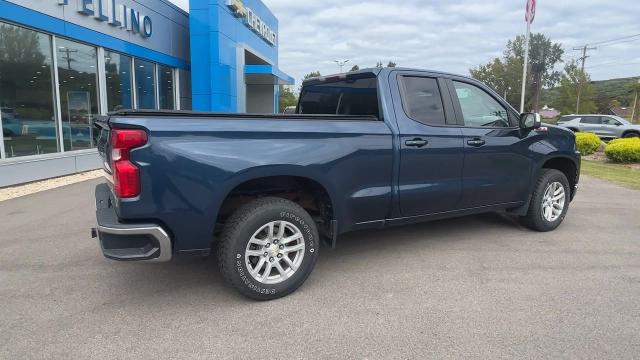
[(524, 68)]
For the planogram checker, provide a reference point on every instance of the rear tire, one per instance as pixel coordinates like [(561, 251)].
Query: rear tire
[(268, 248), (549, 202)]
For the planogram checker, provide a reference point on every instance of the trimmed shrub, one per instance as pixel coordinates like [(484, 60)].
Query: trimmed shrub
[(623, 150), (587, 143)]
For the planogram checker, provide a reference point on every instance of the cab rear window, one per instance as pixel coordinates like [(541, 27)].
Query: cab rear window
[(347, 96)]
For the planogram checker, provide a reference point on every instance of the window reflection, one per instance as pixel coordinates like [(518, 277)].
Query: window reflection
[(145, 84), (166, 87), (77, 71), (118, 75), (26, 92), (185, 90)]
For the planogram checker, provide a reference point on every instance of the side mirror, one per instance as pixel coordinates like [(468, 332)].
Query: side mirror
[(530, 121)]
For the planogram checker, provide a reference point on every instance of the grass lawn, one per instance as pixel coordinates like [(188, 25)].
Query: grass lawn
[(619, 174)]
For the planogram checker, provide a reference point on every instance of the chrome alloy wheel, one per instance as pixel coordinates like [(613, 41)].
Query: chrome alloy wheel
[(275, 252), (553, 201)]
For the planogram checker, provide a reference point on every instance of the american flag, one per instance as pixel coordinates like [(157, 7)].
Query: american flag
[(531, 11)]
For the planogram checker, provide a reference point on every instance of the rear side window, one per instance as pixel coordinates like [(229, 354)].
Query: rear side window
[(422, 100), (590, 120), (357, 97)]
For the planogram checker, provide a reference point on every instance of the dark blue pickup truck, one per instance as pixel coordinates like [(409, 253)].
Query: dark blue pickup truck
[(364, 150)]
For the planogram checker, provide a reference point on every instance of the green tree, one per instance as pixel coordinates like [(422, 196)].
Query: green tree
[(312, 74), (505, 74), (569, 82), (604, 102), (379, 64), (20, 45), (355, 68), (614, 103), (391, 64), (287, 98)]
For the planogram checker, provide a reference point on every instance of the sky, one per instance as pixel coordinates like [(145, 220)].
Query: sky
[(451, 36)]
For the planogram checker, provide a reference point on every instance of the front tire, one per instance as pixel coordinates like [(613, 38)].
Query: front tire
[(549, 201), (631, 135), (268, 248)]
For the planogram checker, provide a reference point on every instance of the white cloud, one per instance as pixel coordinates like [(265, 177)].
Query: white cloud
[(447, 36)]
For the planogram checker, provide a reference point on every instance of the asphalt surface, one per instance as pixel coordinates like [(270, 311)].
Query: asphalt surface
[(474, 287)]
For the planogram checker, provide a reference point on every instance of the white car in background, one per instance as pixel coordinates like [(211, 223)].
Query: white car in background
[(605, 126)]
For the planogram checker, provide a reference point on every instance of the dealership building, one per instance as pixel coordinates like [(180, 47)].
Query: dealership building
[(64, 62)]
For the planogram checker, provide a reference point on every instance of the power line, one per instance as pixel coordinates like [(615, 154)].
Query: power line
[(614, 63), (616, 39), (620, 42)]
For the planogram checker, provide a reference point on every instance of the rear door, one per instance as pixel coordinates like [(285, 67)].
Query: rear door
[(496, 170), (591, 124), (431, 150)]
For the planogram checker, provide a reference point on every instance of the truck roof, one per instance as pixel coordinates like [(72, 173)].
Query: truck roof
[(372, 71)]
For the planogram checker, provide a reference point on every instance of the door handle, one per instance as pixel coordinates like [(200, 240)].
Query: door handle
[(476, 142), (417, 142)]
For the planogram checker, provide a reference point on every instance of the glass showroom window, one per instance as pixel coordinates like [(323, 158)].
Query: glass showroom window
[(145, 84), (117, 69), (185, 90), (77, 72), (167, 97), (26, 92)]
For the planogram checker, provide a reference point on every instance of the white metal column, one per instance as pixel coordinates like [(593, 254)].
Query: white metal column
[(56, 82), (134, 85), (102, 83), (156, 83), (176, 89), (2, 154)]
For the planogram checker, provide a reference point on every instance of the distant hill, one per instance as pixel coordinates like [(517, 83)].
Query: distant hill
[(605, 90)]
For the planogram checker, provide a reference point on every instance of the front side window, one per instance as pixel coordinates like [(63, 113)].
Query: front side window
[(77, 70), (590, 120), (610, 121), (422, 100), (145, 84), (118, 73), (165, 82), (479, 109), (26, 92)]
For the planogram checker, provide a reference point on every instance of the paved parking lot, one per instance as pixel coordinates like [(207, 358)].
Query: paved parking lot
[(478, 286)]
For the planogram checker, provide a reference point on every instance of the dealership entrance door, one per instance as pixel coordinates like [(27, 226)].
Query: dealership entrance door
[(261, 85)]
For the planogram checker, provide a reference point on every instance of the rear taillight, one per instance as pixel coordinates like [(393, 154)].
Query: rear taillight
[(126, 175)]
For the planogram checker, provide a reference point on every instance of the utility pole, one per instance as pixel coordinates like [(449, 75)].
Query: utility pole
[(68, 56), (583, 58), (635, 103), (341, 63)]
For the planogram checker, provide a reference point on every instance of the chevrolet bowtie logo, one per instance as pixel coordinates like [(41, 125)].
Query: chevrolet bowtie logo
[(238, 8)]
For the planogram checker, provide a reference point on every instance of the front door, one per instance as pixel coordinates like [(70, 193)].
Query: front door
[(610, 127), (496, 170), (431, 149)]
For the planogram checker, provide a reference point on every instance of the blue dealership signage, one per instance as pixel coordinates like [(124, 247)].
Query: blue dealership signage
[(115, 14)]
